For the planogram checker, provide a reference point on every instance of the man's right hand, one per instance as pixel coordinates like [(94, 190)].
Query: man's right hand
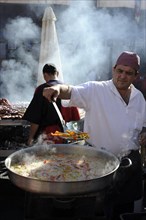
[(51, 93), (58, 91)]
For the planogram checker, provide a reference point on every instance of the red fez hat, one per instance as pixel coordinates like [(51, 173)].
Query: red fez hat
[(129, 59)]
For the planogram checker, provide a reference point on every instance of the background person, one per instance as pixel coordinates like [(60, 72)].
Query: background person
[(140, 83), (42, 115), (115, 118)]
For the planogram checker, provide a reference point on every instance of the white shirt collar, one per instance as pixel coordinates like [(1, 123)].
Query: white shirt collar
[(134, 91)]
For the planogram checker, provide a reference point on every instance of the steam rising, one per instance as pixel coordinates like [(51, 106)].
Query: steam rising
[(90, 40), (17, 76), (94, 38)]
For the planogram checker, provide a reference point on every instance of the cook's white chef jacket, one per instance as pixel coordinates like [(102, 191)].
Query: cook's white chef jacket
[(111, 123)]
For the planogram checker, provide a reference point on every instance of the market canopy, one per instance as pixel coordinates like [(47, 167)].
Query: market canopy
[(100, 3), (121, 3), (36, 1)]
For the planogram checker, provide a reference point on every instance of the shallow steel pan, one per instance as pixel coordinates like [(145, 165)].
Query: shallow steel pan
[(62, 189)]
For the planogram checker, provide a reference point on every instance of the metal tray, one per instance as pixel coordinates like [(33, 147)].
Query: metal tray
[(13, 122)]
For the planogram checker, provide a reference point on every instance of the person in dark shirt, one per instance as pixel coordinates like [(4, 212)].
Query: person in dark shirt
[(42, 115), (140, 83)]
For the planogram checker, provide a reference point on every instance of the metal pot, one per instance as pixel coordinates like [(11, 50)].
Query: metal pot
[(62, 189)]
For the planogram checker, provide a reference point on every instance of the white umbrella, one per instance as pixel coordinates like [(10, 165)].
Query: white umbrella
[(49, 48)]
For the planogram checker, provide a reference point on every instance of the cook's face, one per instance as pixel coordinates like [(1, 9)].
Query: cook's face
[(123, 76)]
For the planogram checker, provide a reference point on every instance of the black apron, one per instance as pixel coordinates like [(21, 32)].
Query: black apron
[(127, 185)]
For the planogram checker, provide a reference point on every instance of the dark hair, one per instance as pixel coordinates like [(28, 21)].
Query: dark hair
[(50, 69)]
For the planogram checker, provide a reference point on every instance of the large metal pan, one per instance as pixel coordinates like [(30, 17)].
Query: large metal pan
[(62, 189)]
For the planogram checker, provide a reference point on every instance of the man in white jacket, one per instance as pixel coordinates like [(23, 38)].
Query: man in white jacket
[(115, 120)]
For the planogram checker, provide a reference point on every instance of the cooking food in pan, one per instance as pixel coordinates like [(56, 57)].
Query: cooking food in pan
[(71, 135), (62, 167), (69, 158)]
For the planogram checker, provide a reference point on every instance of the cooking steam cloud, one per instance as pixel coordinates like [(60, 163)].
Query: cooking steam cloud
[(89, 39), (17, 76)]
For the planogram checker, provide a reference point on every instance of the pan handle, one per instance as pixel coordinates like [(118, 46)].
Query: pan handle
[(2, 164), (3, 169), (125, 162)]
